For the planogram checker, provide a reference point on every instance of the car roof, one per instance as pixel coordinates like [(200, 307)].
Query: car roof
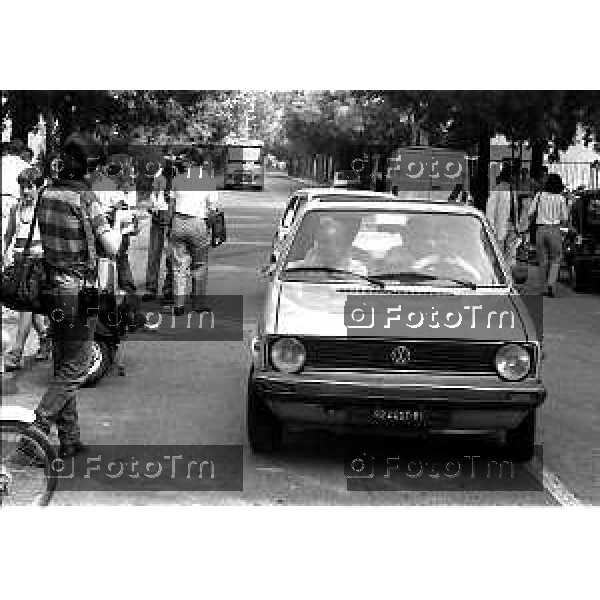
[(436, 196), (331, 191), (394, 204)]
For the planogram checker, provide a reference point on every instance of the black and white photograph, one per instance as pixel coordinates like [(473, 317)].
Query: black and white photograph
[(252, 278), (293, 296)]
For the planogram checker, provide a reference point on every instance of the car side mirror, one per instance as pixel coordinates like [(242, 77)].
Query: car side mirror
[(519, 275)]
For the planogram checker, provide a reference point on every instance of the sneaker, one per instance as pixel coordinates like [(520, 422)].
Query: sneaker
[(71, 449)]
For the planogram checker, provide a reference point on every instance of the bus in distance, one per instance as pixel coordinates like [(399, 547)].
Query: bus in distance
[(244, 164)]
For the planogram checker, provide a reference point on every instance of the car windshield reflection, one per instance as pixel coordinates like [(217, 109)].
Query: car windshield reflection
[(419, 248)]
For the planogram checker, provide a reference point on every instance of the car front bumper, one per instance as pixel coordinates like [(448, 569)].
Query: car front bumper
[(451, 403)]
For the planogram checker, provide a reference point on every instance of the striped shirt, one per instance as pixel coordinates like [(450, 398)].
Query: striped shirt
[(551, 209), (60, 215)]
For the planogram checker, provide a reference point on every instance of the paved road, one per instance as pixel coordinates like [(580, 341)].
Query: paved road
[(194, 393)]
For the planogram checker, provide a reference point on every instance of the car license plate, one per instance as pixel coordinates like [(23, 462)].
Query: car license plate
[(398, 416)]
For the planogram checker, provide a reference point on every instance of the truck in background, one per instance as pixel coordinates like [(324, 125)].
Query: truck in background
[(428, 173), (244, 164)]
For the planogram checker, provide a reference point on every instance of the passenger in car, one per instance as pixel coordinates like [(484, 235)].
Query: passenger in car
[(332, 247), (431, 249)]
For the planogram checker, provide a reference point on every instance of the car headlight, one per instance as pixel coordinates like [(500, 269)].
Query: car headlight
[(513, 362), (288, 355)]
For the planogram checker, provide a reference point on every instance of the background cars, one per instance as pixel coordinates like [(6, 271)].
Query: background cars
[(348, 179)]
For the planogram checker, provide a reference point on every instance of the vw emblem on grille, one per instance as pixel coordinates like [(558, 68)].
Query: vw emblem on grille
[(400, 355)]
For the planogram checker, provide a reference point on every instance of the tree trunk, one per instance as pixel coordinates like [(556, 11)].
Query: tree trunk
[(537, 158), (482, 181), (381, 184), (23, 115)]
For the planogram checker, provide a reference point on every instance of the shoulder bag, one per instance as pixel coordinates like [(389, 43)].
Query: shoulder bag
[(24, 284)]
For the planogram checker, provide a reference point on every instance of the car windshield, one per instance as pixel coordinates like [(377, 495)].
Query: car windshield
[(396, 246)]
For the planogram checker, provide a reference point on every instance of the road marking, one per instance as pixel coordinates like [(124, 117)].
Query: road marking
[(554, 486), (232, 268), (247, 243), (271, 469), (235, 217), (263, 225)]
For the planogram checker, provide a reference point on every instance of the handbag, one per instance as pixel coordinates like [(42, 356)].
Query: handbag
[(218, 229), (24, 284)]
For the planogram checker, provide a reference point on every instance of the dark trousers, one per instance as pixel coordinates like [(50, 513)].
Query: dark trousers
[(72, 356), (549, 251), (125, 276), (156, 245)]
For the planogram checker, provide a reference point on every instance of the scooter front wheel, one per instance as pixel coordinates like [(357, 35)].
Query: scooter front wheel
[(28, 465)]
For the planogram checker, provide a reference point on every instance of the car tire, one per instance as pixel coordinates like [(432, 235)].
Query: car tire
[(101, 363), (265, 431), (520, 442)]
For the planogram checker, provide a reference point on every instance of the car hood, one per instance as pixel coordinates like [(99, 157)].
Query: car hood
[(319, 310)]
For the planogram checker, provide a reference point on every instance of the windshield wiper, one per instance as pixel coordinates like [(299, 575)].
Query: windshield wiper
[(374, 280), (424, 276)]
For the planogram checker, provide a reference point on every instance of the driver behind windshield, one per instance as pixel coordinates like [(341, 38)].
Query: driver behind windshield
[(432, 247), (332, 247)]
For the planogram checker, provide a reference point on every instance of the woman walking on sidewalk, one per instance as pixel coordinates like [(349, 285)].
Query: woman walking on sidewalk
[(31, 181), (548, 211)]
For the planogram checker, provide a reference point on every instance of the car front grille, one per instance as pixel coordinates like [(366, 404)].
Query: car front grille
[(358, 354)]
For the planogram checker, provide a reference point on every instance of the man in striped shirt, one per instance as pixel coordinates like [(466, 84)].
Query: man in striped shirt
[(68, 211), (548, 212)]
